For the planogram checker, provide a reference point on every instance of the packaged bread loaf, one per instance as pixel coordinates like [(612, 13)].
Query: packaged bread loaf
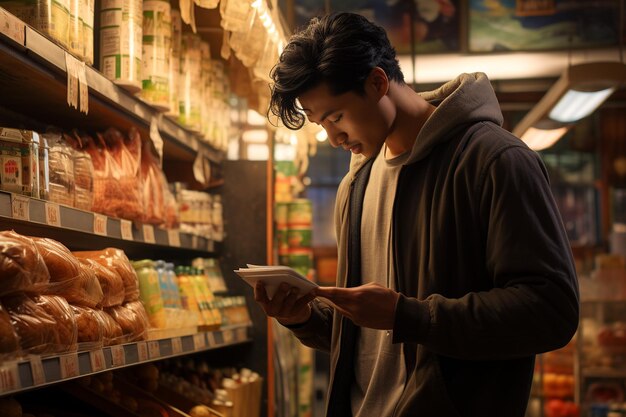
[(9, 341), (90, 327), (110, 281), (111, 330), (61, 169), (68, 278), (116, 259), (21, 266), (67, 329), (132, 318), (36, 329)]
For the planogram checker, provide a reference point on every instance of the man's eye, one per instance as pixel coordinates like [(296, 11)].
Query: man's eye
[(338, 118)]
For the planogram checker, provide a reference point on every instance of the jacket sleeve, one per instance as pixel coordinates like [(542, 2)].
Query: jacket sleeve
[(316, 332), (533, 305)]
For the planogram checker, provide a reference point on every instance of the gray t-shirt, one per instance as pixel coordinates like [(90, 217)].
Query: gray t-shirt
[(379, 364)]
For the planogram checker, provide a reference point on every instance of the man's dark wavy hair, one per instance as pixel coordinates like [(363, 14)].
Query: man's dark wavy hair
[(340, 49)]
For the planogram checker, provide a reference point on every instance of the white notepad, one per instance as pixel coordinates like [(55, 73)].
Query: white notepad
[(273, 276)]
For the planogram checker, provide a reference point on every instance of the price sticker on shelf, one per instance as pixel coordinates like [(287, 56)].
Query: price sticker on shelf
[(97, 360), (199, 342), (154, 350), (142, 351), (20, 207), (148, 233), (69, 366), (210, 246), (218, 338), (53, 214), (242, 334), (118, 357), (173, 238), (194, 242), (211, 338), (100, 224), (177, 346), (36, 369), (229, 336), (9, 377), (126, 227)]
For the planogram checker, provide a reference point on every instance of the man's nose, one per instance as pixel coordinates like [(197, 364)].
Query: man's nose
[(334, 135)]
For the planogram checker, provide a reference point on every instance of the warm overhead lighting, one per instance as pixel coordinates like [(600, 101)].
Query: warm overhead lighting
[(579, 91), (321, 136)]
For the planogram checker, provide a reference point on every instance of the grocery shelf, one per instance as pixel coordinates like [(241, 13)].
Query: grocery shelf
[(83, 230), (602, 372), (34, 83), (38, 371)]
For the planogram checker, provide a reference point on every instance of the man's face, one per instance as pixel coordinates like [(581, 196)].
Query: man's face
[(354, 122)]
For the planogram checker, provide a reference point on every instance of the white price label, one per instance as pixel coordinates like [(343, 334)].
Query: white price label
[(148, 233), (69, 366), (53, 214), (153, 349), (194, 242), (199, 342), (118, 357), (211, 338), (210, 246), (20, 207), (242, 334), (83, 88), (142, 351), (9, 377), (127, 229), (100, 224), (36, 369), (229, 336), (72, 80), (97, 360), (173, 237), (177, 346)]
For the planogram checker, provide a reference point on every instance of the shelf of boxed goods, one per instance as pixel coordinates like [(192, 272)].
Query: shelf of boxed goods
[(36, 371), (86, 230), (35, 83)]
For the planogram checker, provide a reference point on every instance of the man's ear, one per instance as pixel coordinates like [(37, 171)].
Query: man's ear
[(378, 81)]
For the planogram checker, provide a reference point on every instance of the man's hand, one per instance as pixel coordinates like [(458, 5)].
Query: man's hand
[(369, 305), (285, 306)]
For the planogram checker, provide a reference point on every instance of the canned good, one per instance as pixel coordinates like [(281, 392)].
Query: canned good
[(301, 260), (300, 212), (299, 237), (281, 214), (19, 159)]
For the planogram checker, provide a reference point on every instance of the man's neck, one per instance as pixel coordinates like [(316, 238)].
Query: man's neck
[(412, 111)]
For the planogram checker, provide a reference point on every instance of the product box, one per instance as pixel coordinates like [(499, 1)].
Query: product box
[(19, 161)]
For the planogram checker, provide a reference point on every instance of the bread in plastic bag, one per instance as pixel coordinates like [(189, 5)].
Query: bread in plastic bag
[(107, 192), (90, 327), (154, 184), (21, 266), (111, 331), (9, 341), (116, 259), (133, 319), (110, 281), (37, 330), (83, 173), (68, 278), (67, 328), (61, 169)]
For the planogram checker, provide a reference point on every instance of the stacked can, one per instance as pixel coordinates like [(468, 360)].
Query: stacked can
[(299, 254), (156, 50)]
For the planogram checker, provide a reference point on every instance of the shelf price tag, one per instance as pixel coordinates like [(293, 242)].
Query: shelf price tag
[(142, 351), (20, 207), (173, 238), (194, 241), (199, 342), (118, 357), (11, 26), (69, 366), (53, 214), (177, 346), (36, 369), (242, 334), (100, 224), (71, 68), (127, 229), (211, 338), (97, 360), (229, 336), (153, 349), (9, 377), (148, 233), (83, 88), (210, 246)]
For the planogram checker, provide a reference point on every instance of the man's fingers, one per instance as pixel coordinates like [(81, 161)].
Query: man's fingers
[(260, 295)]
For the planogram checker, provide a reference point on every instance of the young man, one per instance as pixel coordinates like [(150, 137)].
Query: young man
[(454, 267)]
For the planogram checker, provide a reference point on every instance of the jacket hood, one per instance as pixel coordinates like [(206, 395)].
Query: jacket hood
[(469, 98)]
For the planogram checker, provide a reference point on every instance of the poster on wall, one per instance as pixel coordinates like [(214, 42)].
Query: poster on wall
[(435, 22), (532, 25)]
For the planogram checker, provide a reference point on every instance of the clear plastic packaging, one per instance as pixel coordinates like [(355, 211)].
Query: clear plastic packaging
[(133, 320), (9, 341), (67, 277), (21, 266), (116, 259), (110, 281), (83, 173), (90, 328), (59, 309), (120, 42), (154, 184), (37, 330), (112, 333), (61, 168), (44, 169), (157, 34)]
